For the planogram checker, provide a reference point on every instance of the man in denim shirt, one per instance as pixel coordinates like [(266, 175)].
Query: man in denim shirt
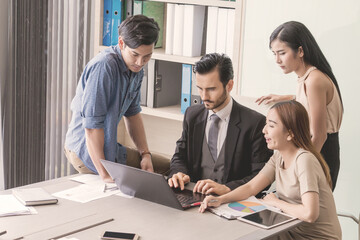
[(109, 88)]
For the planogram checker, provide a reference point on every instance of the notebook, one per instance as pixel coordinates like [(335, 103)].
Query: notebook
[(151, 186), (34, 196)]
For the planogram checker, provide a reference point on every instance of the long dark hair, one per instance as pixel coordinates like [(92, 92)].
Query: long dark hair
[(296, 34), (296, 120)]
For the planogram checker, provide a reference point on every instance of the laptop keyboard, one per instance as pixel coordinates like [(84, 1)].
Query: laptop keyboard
[(188, 197)]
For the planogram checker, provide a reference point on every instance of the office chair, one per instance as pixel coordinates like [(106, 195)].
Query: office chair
[(348, 215)]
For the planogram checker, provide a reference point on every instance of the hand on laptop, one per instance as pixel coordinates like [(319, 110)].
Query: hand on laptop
[(179, 179), (209, 186)]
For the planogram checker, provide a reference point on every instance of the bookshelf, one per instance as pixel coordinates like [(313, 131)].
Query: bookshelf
[(170, 118)]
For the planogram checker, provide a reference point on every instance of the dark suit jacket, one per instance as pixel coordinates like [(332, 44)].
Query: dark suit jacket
[(245, 150)]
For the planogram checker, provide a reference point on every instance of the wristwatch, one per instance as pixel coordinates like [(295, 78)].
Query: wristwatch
[(142, 153)]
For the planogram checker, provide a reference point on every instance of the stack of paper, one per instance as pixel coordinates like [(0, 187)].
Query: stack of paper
[(10, 206), (34, 196)]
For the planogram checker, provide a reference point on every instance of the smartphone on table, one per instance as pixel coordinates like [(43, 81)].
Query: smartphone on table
[(119, 236)]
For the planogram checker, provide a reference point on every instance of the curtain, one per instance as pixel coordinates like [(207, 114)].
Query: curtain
[(48, 47), (68, 52), (24, 100)]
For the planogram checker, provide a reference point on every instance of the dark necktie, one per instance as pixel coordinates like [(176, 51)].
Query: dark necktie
[(213, 135)]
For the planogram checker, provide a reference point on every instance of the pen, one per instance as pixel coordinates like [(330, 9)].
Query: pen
[(83, 228), (195, 204), (106, 188), (213, 200)]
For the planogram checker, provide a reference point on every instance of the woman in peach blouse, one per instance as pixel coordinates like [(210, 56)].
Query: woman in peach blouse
[(303, 183)]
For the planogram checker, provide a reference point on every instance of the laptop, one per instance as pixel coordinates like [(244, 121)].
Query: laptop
[(151, 186)]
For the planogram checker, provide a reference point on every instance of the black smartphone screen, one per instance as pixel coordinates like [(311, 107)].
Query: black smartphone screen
[(119, 235)]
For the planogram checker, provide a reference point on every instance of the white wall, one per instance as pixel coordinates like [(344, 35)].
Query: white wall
[(3, 60), (336, 27)]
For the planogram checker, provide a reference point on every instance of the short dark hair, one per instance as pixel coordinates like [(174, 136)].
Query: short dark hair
[(296, 34), (139, 30), (212, 61)]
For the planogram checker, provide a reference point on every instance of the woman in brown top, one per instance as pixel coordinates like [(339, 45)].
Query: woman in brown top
[(303, 183), (296, 50)]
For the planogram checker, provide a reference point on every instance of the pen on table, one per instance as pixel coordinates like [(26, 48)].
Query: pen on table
[(83, 228), (106, 188)]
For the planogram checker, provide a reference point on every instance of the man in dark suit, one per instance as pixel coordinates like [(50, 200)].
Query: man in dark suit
[(222, 145)]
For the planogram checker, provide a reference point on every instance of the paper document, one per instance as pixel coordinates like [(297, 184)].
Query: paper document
[(241, 208), (85, 193), (10, 206), (94, 180), (93, 188), (87, 178)]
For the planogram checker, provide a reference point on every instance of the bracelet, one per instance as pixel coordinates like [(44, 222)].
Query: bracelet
[(144, 153)]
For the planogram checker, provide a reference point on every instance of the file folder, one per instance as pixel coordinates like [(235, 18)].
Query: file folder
[(193, 30), (164, 83), (170, 16), (178, 30), (221, 30), (138, 7), (115, 21), (211, 32), (151, 83), (230, 33), (195, 97), (155, 10), (129, 5), (144, 87), (111, 22), (107, 23), (167, 84), (186, 87)]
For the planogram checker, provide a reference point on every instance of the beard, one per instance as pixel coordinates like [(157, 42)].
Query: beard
[(217, 103)]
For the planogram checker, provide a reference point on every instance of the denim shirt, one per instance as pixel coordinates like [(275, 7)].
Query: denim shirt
[(105, 93)]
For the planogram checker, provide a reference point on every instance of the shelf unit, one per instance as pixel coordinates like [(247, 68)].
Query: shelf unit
[(170, 118)]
